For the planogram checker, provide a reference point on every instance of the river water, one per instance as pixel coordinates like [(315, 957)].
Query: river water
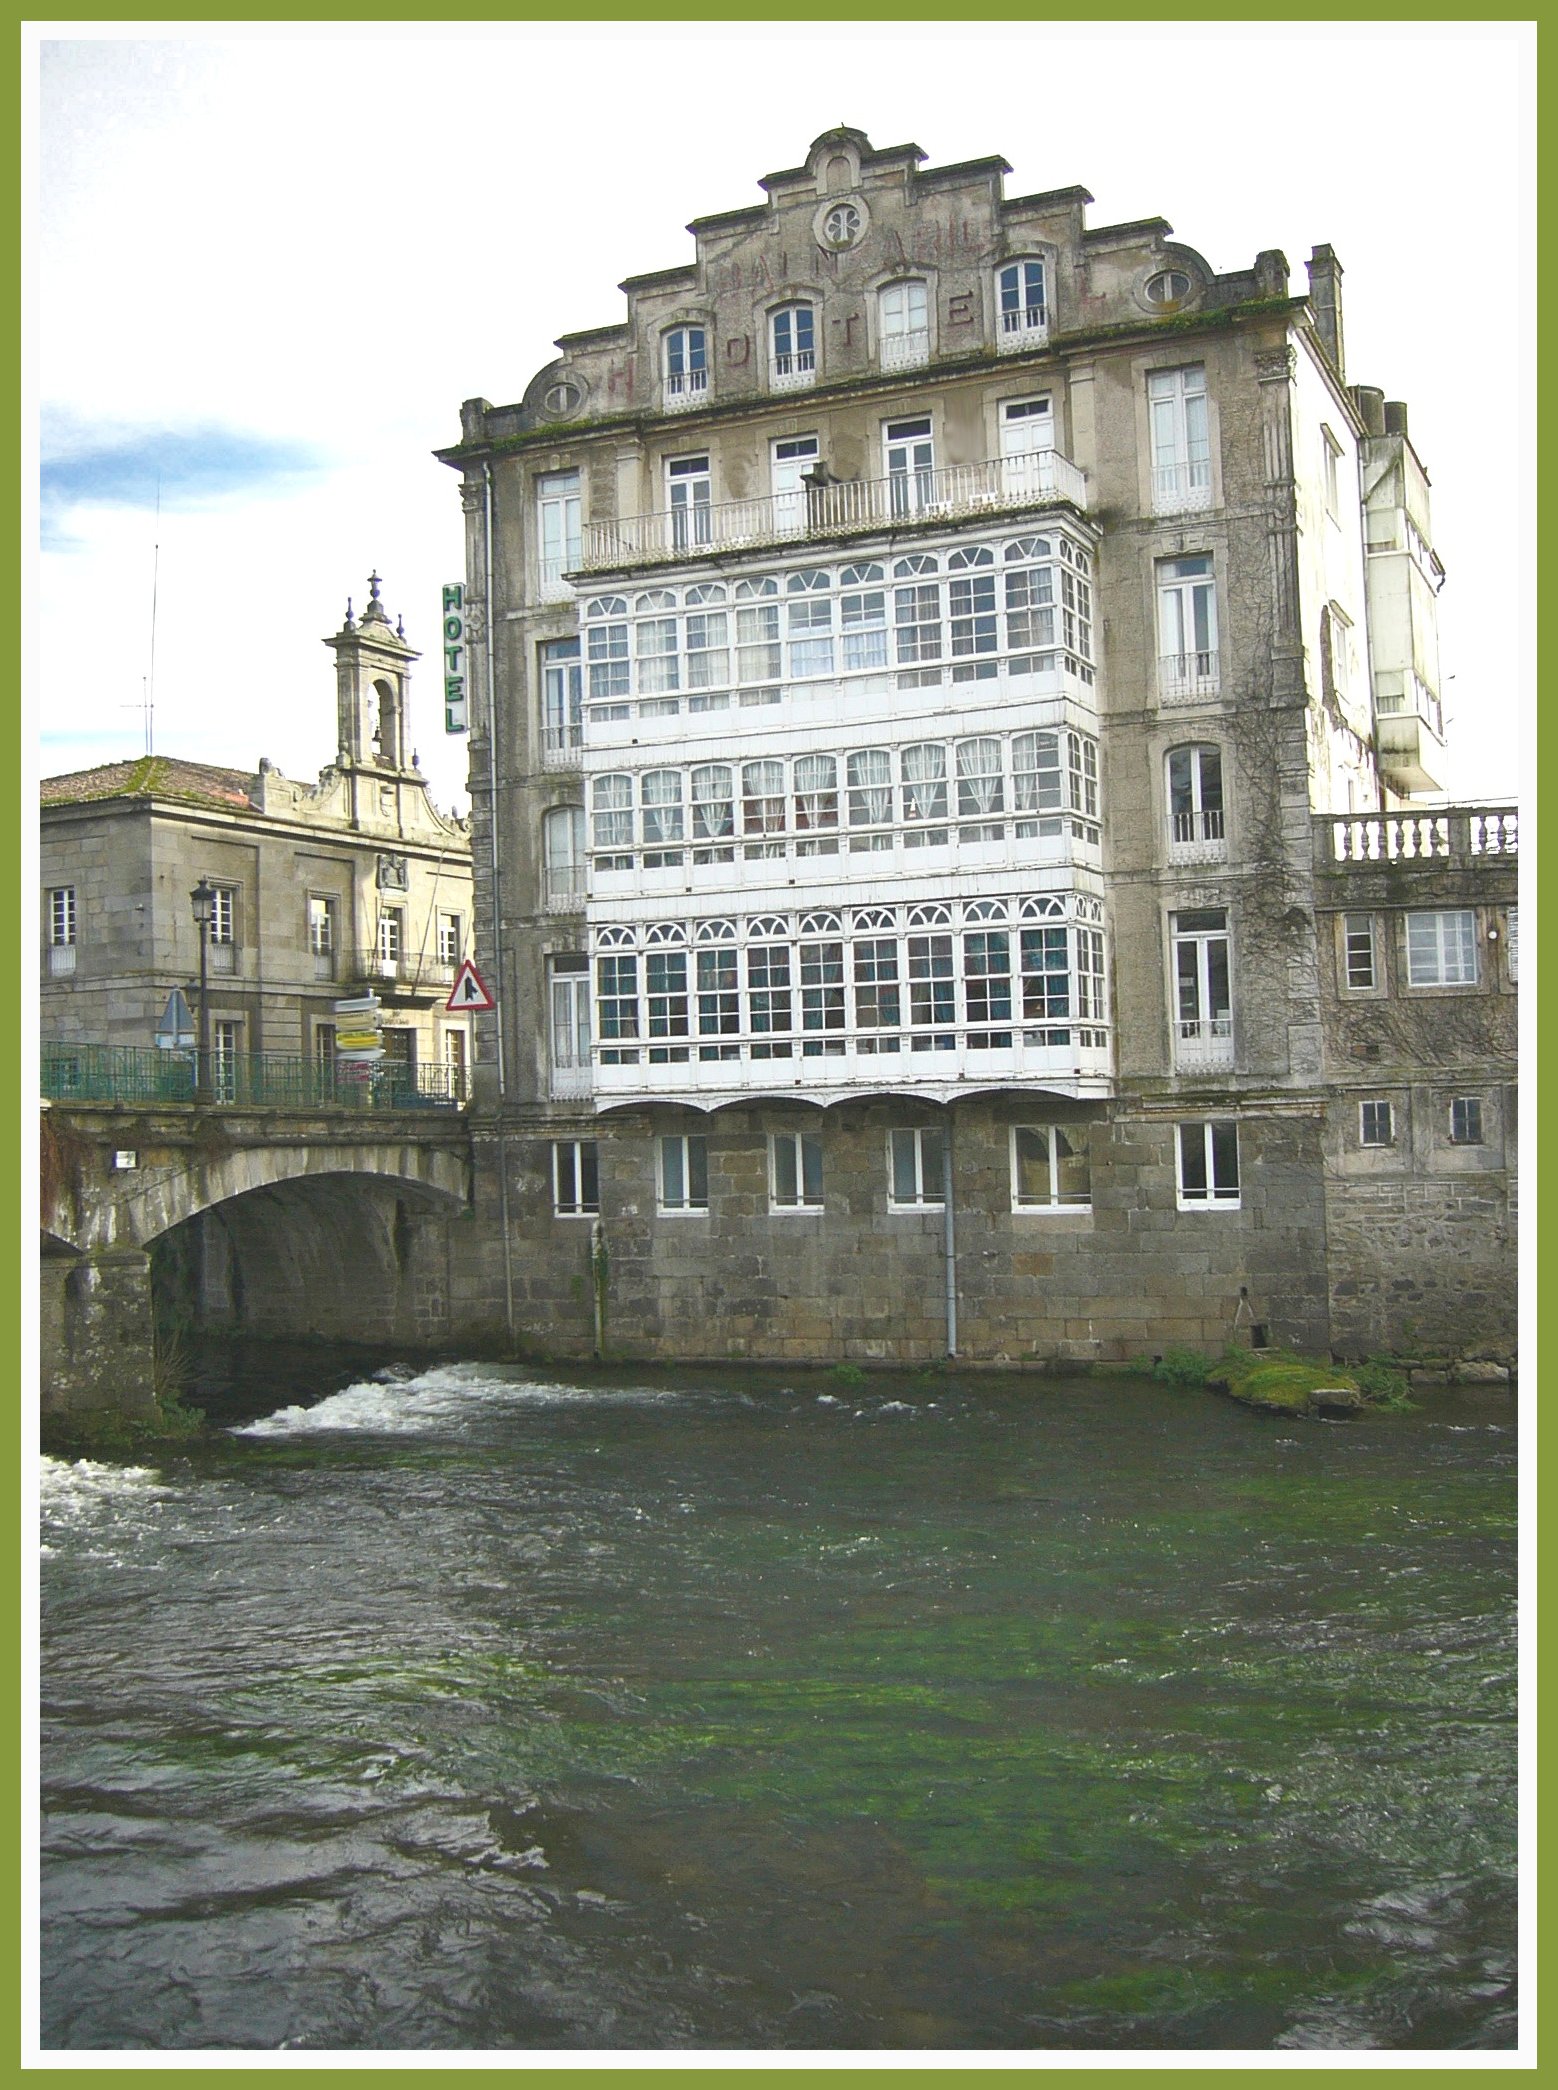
[(464, 1710)]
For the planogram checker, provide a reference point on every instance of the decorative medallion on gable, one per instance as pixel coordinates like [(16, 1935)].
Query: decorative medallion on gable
[(841, 223)]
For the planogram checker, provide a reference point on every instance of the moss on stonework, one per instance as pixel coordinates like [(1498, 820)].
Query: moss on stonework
[(105, 1433)]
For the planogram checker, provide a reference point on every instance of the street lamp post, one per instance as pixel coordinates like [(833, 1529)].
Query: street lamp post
[(203, 901)]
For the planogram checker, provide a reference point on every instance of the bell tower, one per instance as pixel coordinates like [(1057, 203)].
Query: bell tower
[(372, 670)]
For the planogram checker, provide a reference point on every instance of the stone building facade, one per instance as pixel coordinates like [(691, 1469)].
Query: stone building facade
[(919, 659), (325, 891)]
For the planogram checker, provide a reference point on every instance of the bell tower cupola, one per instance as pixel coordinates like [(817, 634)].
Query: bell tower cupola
[(372, 671)]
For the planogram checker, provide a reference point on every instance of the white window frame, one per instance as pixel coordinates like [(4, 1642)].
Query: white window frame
[(451, 936), (1330, 476), (688, 385), (562, 696), (689, 499), (573, 1160), (1204, 1038), (686, 1146), (1051, 1135), (909, 1142), (559, 530), (224, 915), (62, 917), (572, 1014), (1468, 1127), (793, 368), (1179, 439), (802, 1148), (1195, 827), (1027, 319), (1443, 956), (564, 856), (226, 1051), (391, 940), (909, 462), (1220, 1194), (1360, 953), (903, 323), (322, 924), (1375, 1130), (1187, 626)]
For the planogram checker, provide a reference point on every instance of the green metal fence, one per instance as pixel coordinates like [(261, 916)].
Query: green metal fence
[(270, 1080)]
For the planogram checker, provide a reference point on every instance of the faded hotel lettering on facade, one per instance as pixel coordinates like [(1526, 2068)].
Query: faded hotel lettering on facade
[(947, 691)]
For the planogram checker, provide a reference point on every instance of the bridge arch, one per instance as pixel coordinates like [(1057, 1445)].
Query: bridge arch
[(153, 1202)]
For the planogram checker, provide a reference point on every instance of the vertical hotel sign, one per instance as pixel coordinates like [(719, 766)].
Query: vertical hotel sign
[(454, 658)]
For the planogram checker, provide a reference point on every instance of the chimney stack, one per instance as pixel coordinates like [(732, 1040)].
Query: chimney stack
[(1325, 303), (1370, 402)]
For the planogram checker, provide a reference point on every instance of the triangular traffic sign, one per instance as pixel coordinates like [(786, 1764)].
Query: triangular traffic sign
[(175, 1026), (469, 992)]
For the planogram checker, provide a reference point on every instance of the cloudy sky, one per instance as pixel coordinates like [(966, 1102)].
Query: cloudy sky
[(269, 265)]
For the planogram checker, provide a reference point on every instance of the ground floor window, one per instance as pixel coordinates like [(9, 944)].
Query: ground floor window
[(1050, 1170), (1208, 1165), (684, 1172), (796, 1172), (575, 1177), (917, 1168)]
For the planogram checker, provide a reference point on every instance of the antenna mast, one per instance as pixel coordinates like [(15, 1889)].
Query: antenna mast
[(151, 669)]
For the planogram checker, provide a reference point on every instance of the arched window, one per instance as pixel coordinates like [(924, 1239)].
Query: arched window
[(793, 346), (903, 323), (686, 365), (1022, 312), (562, 852), (1195, 795)]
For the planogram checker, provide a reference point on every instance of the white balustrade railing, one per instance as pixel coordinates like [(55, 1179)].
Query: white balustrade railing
[(1453, 834), (952, 492)]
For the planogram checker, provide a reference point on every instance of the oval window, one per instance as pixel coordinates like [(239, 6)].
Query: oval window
[(1168, 287)]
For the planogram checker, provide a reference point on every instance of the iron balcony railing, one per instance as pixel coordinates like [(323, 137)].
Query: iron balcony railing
[(952, 492), (411, 973), (254, 1080)]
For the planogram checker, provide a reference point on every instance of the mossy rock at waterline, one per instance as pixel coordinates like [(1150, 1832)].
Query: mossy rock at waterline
[(1290, 1386)]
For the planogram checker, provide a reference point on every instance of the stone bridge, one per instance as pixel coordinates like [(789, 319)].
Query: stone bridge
[(158, 1220)]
